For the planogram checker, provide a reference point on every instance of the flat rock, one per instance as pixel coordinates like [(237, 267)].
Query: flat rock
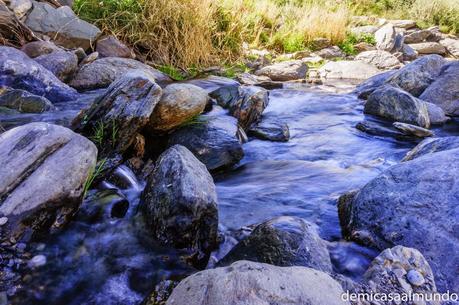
[(403, 23), (51, 165), (285, 71), (24, 101), (429, 48), (432, 145), (61, 63), (348, 70), (102, 72), (417, 36), (412, 130), (381, 59), (378, 130), (253, 283)]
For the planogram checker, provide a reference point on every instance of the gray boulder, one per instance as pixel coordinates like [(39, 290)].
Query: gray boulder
[(249, 107), (381, 59), (385, 37), (444, 91), (432, 145), (417, 36), (179, 204), (63, 64), (409, 53), (253, 283), (418, 75), (283, 241), (51, 166), (23, 101), (214, 140), (62, 25), (18, 71), (348, 70), (428, 48), (397, 105), (102, 72), (271, 131), (285, 71), (370, 85), (436, 114), (331, 52), (413, 204), (110, 46)]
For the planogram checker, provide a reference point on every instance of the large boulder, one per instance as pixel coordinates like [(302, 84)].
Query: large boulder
[(121, 112), (44, 169), (444, 91), (102, 72), (179, 104), (110, 46), (63, 64), (253, 283), (381, 59), (214, 140), (432, 145), (385, 37), (418, 75), (283, 241), (285, 71), (397, 105), (451, 45), (62, 25), (348, 70), (413, 204), (367, 87), (18, 71), (23, 101), (428, 48), (179, 204)]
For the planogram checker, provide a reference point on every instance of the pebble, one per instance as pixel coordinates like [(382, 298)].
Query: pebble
[(37, 261), (415, 278), (3, 220)]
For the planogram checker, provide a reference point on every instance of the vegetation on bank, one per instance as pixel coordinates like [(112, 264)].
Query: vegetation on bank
[(196, 33)]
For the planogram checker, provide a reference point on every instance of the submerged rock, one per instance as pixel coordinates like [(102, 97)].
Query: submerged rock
[(253, 283), (51, 166), (63, 64), (271, 131), (433, 145), (285, 71), (412, 130), (18, 71), (24, 101), (283, 241), (180, 204)]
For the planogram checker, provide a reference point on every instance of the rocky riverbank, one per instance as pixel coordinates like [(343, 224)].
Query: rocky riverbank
[(100, 152)]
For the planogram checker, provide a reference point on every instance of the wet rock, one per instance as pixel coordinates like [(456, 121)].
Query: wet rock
[(402, 271), (253, 283), (121, 112), (409, 53), (180, 204), (51, 165), (62, 64), (110, 46), (348, 70), (428, 48), (432, 145), (397, 105), (376, 129), (213, 140), (331, 52), (418, 75), (179, 104), (63, 25), (413, 204), (283, 241), (436, 114), (271, 131), (18, 71), (260, 81), (381, 59), (250, 106), (285, 71), (417, 36), (385, 37), (23, 101), (102, 72), (444, 91), (370, 85), (36, 48), (451, 45), (412, 130)]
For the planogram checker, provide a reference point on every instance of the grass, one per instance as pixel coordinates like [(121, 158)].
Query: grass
[(348, 44), (93, 175), (103, 132)]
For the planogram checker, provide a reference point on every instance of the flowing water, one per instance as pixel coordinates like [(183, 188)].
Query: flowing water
[(104, 258)]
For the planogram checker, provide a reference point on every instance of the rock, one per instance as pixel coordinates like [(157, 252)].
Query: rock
[(409, 53), (385, 37), (250, 106), (451, 45), (348, 70), (397, 105), (399, 42), (37, 261), (428, 48), (413, 204), (179, 104), (20, 7), (364, 30), (283, 241), (63, 25), (364, 46), (367, 87), (179, 203), (412, 130), (432, 145), (321, 43), (444, 91), (401, 271), (285, 71), (62, 64), (378, 130), (381, 59), (418, 75), (36, 48), (403, 24), (271, 131), (51, 166), (121, 112), (20, 72), (23, 101), (331, 52), (436, 114), (213, 140), (417, 36), (253, 283), (102, 72), (80, 54), (260, 81), (3, 221), (92, 58), (110, 46)]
